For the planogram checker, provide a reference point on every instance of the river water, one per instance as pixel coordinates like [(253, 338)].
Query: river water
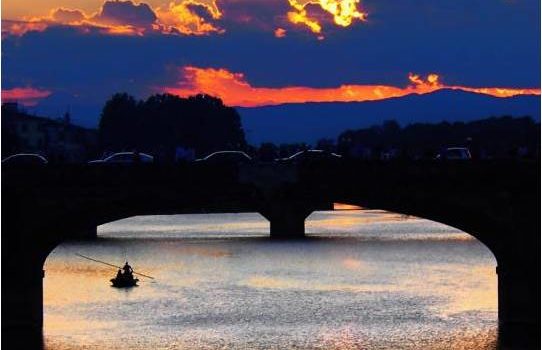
[(361, 280)]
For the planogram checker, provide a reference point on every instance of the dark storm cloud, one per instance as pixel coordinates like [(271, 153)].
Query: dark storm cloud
[(253, 15), (126, 13)]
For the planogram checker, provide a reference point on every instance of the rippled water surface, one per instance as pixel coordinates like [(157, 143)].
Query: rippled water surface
[(362, 280)]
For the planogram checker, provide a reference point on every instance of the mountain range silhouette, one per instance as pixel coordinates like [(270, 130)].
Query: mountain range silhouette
[(308, 122)]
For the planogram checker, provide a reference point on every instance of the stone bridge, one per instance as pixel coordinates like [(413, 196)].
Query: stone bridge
[(498, 202)]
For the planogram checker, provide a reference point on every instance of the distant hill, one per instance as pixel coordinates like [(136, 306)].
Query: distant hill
[(308, 122)]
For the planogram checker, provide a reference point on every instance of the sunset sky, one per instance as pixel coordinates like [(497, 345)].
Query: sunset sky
[(255, 52)]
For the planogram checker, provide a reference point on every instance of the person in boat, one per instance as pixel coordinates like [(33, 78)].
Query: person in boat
[(119, 274), (127, 270)]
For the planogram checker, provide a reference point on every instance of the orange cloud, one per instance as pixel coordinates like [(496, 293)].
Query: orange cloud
[(344, 12), (234, 90), (27, 96), (280, 33), (498, 92), (19, 28), (181, 17), (127, 18), (300, 17), (432, 83), (76, 18), (196, 17)]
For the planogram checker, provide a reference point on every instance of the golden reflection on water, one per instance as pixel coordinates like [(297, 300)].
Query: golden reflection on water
[(479, 294), (74, 284), (344, 220), (352, 264), (57, 324)]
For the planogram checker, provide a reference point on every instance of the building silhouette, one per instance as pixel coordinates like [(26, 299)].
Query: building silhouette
[(58, 140)]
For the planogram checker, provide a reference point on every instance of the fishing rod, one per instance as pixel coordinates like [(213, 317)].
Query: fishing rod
[(108, 264)]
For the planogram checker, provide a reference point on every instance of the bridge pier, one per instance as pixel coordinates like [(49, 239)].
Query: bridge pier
[(519, 304), (24, 311), (23, 256), (22, 295), (291, 226), (286, 220)]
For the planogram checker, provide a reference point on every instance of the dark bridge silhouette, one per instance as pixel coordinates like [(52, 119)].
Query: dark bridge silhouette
[(496, 202)]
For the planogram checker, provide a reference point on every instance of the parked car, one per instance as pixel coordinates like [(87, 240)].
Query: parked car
[(226, 157), (125, 158), (25, 159), (311, 156), (454, 153)]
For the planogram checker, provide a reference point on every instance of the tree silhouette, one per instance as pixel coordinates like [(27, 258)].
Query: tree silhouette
[(164, 122), (119, 123), (267, 152), (487, 138)]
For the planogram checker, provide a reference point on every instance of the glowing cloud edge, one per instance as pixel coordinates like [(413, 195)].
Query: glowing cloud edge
[(234, 89), (27, 96)]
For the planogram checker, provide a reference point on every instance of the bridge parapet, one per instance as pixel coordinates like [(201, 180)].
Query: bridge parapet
[(268, 176)]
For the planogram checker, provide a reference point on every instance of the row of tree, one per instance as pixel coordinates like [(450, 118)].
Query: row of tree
[(496, 137), (162, 124)]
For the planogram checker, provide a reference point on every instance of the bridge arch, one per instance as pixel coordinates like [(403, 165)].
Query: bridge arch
[(457, 220), (180, 222)]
